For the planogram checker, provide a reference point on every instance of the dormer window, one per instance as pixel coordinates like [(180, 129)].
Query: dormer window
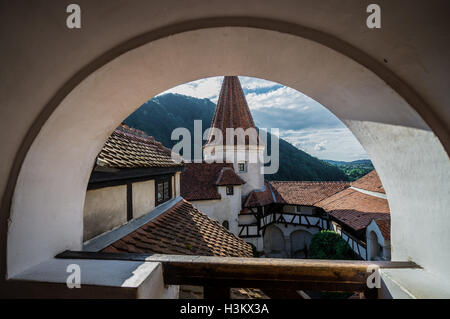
[(241, 167), (230, 190)]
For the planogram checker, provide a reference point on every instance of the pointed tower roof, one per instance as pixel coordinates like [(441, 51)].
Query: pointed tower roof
[(232, 110)]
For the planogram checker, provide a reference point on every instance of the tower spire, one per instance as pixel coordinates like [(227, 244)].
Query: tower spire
[(232, 110)]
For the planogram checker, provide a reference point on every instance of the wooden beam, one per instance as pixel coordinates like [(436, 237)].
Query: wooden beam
[(305, 274)]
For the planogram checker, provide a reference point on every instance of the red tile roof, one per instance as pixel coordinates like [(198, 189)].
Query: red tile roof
[(131, 148), (227, 176), (384, 224), (232, 111), (261, 198), (370, 182), (307, 193), (200, 180), (355, 209), (182, 230)]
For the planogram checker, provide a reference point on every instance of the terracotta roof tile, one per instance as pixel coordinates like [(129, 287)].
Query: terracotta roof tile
[(354, 208), (227, 176), (370, 182), (131, 148), (182, 230), (307, 193), (384, 224), (232, 111), (265, 197), (200, 180)]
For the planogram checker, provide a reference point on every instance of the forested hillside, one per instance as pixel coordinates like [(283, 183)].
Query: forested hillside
[(161, 115)]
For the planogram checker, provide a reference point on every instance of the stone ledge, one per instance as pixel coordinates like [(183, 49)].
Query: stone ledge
[(412, 284), (99, 279)]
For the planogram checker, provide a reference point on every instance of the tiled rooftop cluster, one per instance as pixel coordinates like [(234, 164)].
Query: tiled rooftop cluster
[(131, 148), (356, 209), (370, 182), (200, 180), (294, 193), (307, 193), (349, 206), (182, 230)]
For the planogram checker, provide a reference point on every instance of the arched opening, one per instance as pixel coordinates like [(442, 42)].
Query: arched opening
[(300, 241), (274, 245), (45, 222), (376, 250)]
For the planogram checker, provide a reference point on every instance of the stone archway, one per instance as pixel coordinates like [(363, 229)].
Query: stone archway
[(274, 244), (46, 221), (300, 240)]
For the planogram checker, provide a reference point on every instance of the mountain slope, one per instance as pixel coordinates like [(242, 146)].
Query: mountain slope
[(355, 169), (161, 115)]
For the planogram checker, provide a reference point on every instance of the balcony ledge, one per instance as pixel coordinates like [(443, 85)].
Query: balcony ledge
[(412, 283), (99, 278)]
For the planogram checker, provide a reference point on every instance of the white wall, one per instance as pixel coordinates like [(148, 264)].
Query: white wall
[(143, 197), (104, 209), (385, 243), (227, 208), (177, 184)]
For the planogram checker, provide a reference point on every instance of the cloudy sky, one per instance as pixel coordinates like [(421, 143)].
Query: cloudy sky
[(302, 121)]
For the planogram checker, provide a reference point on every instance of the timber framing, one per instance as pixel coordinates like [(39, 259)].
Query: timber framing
[(130, 175)]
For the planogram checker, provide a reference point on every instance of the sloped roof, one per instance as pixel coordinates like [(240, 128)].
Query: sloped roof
[(131, 148), (264, 197), (200, 180), (384, 224), (182, 230), (232, 111), (307, 193), (370, 182), (227, 176), (355, 209)]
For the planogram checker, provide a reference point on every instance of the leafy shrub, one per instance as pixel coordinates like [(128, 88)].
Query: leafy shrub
[(328, 244)]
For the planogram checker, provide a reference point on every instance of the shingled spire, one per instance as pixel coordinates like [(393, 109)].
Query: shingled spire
[(232, 110)]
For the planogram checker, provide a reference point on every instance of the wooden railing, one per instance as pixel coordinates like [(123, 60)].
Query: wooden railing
[(221, 273)]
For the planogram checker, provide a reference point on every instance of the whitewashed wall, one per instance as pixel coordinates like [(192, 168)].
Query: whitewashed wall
[(227, 208), (143, 197), (104, 209)]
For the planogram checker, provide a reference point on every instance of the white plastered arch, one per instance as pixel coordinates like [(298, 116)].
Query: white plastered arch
[(46, 215)]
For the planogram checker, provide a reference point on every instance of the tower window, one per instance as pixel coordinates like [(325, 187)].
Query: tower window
[(241, 167), (230, 190)]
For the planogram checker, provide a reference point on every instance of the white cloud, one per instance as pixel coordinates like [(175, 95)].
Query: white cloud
[(208, 88), (303, 122), (320, 146)]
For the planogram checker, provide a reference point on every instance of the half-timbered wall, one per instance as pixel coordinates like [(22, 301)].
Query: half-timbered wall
[(108, 207), (357, 245)]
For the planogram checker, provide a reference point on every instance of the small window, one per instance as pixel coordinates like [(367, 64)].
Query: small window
[(163, 192), (230, 190), (241, 167), (226, 224)]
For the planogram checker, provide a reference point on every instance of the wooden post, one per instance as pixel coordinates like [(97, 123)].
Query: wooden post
[(210, 292)]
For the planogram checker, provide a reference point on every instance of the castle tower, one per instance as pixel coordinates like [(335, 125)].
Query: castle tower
[(240, 143)]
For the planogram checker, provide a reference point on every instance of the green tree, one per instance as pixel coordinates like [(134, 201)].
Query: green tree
[(328, 244)]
